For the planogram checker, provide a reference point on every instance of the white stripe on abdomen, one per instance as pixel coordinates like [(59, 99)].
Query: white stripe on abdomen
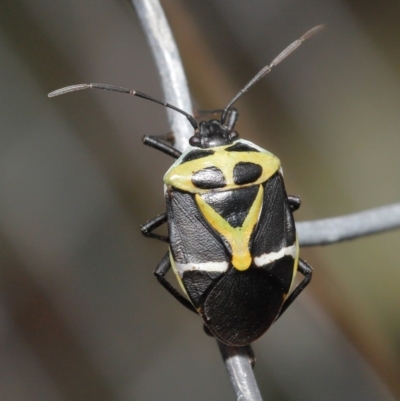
[(220, 267), (267, 258)]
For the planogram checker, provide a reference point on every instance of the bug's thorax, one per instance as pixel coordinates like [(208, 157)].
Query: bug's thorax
[(221, 168)]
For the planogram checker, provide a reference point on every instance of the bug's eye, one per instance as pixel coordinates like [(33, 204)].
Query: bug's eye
[(195, 141)]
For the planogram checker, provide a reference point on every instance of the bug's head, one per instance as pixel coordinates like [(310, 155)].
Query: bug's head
[(212, 133)]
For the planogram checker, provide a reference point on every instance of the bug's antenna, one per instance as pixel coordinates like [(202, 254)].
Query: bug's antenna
[(267, 69), (113, 88)]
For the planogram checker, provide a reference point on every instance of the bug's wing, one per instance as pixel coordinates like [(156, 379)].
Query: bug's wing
[(275, 245), (191, 238), (199, 256), (242, 306)]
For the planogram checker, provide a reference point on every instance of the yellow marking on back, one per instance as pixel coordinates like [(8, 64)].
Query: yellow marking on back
[(237, 237), (180, 175)]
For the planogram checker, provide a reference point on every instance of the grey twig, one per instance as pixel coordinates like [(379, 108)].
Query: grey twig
[(176, 92), (310, 233), (169, 65), (350, 226), (240, 372)]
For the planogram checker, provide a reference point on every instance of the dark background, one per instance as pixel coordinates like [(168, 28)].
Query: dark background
[(81, 316)]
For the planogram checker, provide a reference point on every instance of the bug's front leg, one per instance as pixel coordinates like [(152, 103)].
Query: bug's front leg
[(148, 227), (306, 270), (160, 272), (157, 142)]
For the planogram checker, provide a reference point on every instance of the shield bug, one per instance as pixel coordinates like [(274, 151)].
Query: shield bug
[(231, 234)]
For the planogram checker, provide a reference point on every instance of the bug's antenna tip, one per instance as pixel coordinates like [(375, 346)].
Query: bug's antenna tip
[(68, 89), (58, 92), (313, 31)]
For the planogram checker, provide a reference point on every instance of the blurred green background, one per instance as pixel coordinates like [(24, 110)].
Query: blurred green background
[(81, 316)]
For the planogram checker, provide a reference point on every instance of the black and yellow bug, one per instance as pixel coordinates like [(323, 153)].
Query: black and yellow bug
[(231, 234)]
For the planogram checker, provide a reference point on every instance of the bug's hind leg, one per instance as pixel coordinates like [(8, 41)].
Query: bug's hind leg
[(148, 227), (159, 143), (306, 270), (294, 202), (160, 272)]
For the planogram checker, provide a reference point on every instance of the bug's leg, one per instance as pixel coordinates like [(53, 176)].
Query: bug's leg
[(156, 143), (169, 137), (306, 270), (148, 227), (294, 202), (160, 272)]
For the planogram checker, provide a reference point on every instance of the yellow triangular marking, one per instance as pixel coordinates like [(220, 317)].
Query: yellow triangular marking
[(237, 237)]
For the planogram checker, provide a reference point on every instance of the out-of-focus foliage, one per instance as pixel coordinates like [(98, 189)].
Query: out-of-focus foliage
[(81, 315)]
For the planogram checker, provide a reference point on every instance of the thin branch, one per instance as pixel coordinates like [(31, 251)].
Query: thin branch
[(350, 226), (169, 66), (237, 365), (173, 80), (318, 232)]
